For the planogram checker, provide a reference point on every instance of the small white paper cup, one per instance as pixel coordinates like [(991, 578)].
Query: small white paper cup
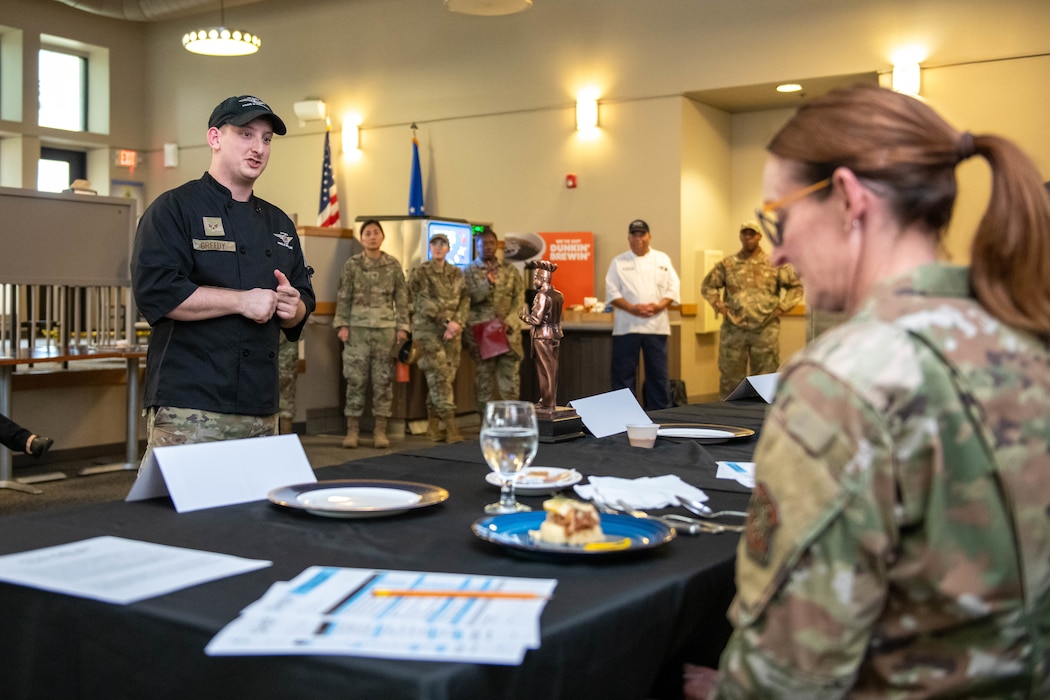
[(642, 434)]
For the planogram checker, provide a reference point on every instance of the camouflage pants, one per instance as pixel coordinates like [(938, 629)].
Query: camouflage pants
[(288, 369), (439, 362), (502, 372), (738, 347), (366, 356), (167, 426)]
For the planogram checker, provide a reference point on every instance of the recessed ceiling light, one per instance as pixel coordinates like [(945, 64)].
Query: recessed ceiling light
[(789, 87)]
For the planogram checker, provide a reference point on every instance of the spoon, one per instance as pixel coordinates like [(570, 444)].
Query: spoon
[(702, 509)]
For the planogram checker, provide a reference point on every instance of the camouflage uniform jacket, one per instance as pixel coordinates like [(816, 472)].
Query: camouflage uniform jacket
[(438, 296), (753, 289), (503, 299), (898, 544), (372, 294)]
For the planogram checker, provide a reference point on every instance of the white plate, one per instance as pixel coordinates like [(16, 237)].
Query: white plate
[(357, 498), (694, 433), (540, 480), (705, 432)]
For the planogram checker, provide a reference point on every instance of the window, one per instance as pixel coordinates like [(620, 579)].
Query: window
[(63, 90), (58, 168)]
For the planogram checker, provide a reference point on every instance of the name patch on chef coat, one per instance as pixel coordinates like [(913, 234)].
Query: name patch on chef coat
[(213, 226), (226, 246)]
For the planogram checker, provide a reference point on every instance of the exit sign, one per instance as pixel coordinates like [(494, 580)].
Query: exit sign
[(127, 159)]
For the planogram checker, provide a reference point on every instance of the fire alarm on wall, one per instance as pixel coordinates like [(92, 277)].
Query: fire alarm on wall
[(570, 181)]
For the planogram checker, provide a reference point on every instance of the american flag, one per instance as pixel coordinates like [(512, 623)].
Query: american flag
[(328, 214)]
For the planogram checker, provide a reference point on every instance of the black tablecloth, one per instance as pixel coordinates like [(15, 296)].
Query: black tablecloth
[(616, 627)]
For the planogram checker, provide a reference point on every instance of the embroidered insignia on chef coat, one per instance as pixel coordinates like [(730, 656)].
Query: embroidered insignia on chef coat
[(213, 226), (284, 239), (762, 522)]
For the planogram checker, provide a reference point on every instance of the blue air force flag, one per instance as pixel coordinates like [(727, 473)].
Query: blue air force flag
[(415, 189)]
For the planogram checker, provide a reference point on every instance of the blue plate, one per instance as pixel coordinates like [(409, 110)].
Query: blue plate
[(623, 533)]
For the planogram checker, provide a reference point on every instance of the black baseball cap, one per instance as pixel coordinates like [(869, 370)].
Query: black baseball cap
[(242, 109), (638, 226)]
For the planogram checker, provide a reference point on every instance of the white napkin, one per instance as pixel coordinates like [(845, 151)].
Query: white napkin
[(644, 492)]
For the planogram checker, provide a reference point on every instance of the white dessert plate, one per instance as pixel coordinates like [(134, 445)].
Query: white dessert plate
[(357, 498), (536, 481)]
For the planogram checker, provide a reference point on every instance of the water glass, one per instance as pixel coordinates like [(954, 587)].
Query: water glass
[(509, 440)]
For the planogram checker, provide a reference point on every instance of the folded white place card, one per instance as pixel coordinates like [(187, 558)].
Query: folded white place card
[(762, 385), (741, 472), (610, 413), (210, 474)]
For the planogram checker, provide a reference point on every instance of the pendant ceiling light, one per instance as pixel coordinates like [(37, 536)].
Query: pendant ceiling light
[(487, 7), (220, 41)]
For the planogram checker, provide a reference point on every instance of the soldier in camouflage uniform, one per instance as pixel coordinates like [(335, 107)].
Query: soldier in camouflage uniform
[(439, 313), (288, 370), (496, 290), (898, 537), (751, 294), (371, 312)]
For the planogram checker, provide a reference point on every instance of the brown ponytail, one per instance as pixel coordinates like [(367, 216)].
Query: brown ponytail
[(1010, 259)]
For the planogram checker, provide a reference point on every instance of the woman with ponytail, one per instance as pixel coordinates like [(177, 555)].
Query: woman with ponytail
[(898, 540)]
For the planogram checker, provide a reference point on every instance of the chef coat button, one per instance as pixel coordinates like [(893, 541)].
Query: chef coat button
[(246, 352), (269, 252), (272, 354), (244, 250)]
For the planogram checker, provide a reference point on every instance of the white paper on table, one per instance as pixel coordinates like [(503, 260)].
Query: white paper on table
[(330, 610), (741, 472), (210, 474), (119, 570), (610, 413), (643, 492), (761, 385)]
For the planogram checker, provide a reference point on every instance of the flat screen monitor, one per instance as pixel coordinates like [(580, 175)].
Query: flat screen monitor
[(460, 241)]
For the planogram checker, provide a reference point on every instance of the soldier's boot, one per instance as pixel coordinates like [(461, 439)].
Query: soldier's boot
[(285, 425), (352, 432), (452, 433), (379, 438), (434, 432)]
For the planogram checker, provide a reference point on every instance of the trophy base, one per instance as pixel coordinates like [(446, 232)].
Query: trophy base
[(559, 424)]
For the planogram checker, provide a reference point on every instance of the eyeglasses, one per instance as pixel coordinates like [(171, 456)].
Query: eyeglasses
[(767, 215)]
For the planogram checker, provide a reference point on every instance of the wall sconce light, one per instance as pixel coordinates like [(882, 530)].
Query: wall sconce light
[(351, 136), (906, 78), (586, 112)]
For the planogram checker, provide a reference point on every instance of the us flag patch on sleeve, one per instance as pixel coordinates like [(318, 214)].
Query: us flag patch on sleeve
[(762, 522)]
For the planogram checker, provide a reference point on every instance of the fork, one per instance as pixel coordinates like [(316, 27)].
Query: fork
[(704, 511), (689, 526)]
